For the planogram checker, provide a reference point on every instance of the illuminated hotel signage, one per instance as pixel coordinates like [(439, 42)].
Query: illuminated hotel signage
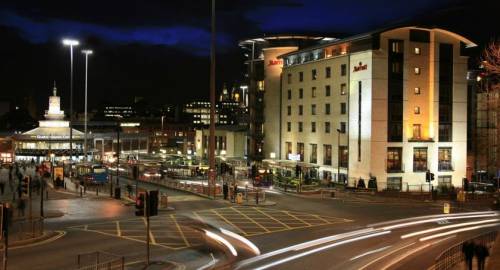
[(52, 137), (274, 62), (360, 67)]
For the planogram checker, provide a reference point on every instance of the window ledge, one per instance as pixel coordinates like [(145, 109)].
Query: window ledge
[(420, 140), (395, 171)]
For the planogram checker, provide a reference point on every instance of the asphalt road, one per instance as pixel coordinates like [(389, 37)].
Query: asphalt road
[(100, 223)]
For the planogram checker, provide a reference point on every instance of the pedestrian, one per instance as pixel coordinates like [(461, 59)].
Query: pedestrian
[(235, 191), (20, 207), (468, 251), (225, 190), (481, 252)]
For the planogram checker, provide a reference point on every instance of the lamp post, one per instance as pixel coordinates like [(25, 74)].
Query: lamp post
[(211, 142), (87, 53), (71, 43)]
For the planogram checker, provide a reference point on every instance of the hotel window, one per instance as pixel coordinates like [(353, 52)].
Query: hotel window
[(445, 132), (327, 154), (289, 110), (343, 88), (416, 91), (444, 181), (313, 92), (343, 156), (327, 108), (394, 159), (327, 127), (343, 108), (313, 127), (444, 156), (289, 94), (397, 46), (300, 150), (289, 78), (301, 93), (288, 149), (328, 72), (288, 126), (417, 50), (301, 110), (313, 158), (314, 74), (394, 183), (301, 76), (417, 131), (416, 110), (419, 159), (327, 90), (343, 70), (417, 71), (300, 127), (313, 109), (342, 127), (396, 67)]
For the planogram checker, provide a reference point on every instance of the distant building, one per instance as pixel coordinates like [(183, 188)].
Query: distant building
[(229, 142), (119, 111)]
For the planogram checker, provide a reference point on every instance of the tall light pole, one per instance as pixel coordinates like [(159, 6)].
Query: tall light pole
[(87, 53), (338, 154), (211, 144), (71, 43)]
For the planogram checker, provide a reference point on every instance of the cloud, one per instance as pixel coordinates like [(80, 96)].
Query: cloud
[(188, 38)]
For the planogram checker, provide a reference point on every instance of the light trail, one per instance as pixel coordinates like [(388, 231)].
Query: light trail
[(223, 241), (458, 231), (430, 216), (369, 252), (309, 252), (242, 239), (408, 224), (448, 227)]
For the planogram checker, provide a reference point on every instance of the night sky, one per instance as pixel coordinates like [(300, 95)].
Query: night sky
[(160, 49)]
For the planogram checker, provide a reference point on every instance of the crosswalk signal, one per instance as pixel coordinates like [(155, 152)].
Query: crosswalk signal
[(152, 205), (429, 176), (432, 176), (140, 204), (25, 185)]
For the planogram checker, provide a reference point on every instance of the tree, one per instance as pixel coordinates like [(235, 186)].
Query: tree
[(491, 63)]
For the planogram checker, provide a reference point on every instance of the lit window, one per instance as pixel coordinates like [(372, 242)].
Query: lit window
[(417, 71), (417, 110), (417, 50), (343, 88), (313, 92), (417, 90)]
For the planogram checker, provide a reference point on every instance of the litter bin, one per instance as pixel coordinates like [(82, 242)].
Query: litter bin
[(446, 208), (239, 198), (117, 193)]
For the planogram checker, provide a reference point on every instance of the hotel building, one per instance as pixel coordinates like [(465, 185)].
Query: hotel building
[(386, 105)]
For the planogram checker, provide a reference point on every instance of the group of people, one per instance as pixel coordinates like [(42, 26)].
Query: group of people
[(472, 249)]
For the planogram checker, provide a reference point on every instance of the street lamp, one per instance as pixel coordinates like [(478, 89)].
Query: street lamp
[(71, 43), (87, 53)]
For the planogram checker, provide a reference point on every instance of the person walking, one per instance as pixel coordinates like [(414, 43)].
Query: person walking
[(225, 190), (468, 250), (481, 252)]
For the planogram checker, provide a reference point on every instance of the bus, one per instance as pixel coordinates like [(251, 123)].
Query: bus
[(92, 173)]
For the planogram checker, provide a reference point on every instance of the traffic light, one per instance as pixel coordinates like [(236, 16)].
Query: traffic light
[(429, 176), (432, 176), (152, 205), (140, 201), (25, 185)]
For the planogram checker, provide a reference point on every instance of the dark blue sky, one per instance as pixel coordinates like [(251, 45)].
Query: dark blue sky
[(159, 49)]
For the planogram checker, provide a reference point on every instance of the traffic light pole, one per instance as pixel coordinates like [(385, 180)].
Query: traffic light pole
[(146, 215)]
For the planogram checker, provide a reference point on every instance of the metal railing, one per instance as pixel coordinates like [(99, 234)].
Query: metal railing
[(454, 255), (26, 229), (100, 260)]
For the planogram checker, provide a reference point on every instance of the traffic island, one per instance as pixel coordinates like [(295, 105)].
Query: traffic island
[(46, 237)]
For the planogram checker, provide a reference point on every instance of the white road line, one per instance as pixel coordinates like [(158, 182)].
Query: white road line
[(385, 255), (369, 252)]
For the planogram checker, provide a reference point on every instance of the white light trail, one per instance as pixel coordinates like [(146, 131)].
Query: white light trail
[(407, 224), (430, 216), (369, 252), (458, 231), (247, 242), (223, 241), (309, 252), (448, 227)]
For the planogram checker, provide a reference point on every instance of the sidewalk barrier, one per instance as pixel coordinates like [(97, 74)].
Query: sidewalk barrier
[(449, 258), (100, 260)]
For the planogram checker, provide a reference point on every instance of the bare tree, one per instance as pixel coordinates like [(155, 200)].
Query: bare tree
[(491, 58)]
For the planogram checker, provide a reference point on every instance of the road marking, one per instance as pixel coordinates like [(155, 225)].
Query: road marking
[(180, 231), (243, 214), (300, 220), (228, 222), (387, 254), (118, 231), (52, 239), (151, 236)]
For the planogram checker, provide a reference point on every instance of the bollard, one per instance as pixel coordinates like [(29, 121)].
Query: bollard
[(65, 185), (97, 191), (84, 190), (81, 192), (46, 195)]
